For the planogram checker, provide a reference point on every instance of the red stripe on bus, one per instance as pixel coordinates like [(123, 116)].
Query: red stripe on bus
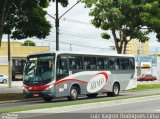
[(36, 88), (65, 80), (40, 88), (105, 74)]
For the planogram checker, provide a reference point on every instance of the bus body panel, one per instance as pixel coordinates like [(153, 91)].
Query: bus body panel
[(63, 88), (82, 79), (123, 77)]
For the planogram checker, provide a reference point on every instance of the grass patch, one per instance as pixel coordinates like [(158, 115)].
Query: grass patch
[(11, 96), (147, 86), (52, 105)]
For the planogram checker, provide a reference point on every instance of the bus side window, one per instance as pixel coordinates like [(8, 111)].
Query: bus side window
[(124, 63), (127, 63), (117, 64), (75, 62), (111, 63), (85, 65), (131, 63), (62, 67), (100, 63), (106, 63), (59, 70), (90, 63)]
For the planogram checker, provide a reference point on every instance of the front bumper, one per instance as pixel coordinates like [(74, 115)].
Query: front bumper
[(37, 94)]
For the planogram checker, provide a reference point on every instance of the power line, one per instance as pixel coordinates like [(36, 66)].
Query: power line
[(70, 9), (70, 20), (75, 21), (50, 15), (89, 35), (80, 45), (57, 18), (79, 35), (76, 44), (74, 34)]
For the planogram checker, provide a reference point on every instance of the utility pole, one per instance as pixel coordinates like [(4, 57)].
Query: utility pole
[(9, 64), (57, 26), (57, 21)]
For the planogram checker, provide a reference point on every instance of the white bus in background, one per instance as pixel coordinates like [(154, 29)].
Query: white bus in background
[(69, 74)]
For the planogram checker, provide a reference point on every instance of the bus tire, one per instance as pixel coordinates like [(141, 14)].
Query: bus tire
[(94, 95), (5, 81), (73, 93), (47, 99), (115, 90)]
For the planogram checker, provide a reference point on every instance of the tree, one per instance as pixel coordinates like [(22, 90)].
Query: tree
[(28, 43), (25, 18), (126, 19)]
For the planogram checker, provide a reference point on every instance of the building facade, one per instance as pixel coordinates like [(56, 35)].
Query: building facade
[(135, 47), (147, 65), (18, 55)]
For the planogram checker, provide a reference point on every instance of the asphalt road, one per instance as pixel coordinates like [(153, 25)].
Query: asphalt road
[(146, 107), (151, 106), (54, 102)]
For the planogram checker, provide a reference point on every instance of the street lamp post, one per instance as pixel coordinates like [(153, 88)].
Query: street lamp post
[(57, 21), (57, 26)]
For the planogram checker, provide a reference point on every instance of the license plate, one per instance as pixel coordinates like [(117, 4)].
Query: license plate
[(35, 95)]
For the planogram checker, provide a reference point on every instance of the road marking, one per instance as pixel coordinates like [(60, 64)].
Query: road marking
[(79, 107)]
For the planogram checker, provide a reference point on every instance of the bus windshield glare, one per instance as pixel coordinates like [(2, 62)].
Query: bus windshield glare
[(39, 70)]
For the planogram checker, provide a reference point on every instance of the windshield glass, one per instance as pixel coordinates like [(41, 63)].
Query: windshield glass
[(39, 70)]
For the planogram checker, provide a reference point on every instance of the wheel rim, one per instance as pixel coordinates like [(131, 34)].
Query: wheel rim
[(74, 93), (116, 90), (4, 81)]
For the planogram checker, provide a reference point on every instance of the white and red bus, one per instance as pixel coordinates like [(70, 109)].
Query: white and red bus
[(69, 74)]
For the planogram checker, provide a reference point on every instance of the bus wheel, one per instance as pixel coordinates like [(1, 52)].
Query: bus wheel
[(47, 99), (4, 81), (94, 95), (115, 90), (73, 93)]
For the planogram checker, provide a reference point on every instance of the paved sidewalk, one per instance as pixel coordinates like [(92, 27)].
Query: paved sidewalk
[(16, 87), (15, 84)]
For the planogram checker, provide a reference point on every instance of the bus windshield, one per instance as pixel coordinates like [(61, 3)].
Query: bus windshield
[(39, 70)]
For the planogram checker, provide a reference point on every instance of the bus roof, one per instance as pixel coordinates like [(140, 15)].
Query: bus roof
[(85, 53)]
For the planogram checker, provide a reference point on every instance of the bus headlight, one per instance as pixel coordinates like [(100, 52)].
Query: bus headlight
[(24, 88)]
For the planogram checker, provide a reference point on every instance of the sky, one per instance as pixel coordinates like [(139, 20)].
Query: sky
[(77, 34), (75, 28)]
